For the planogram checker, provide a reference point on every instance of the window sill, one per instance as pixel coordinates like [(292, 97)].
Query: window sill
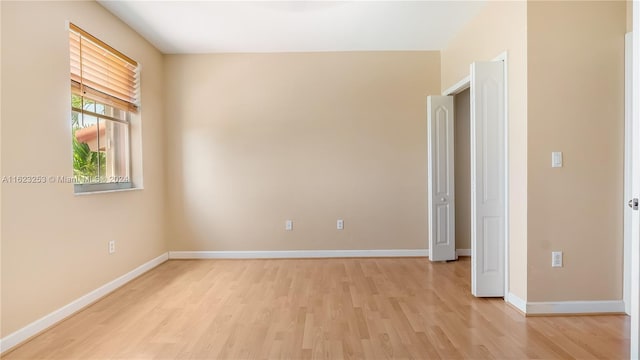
[(107, 191)]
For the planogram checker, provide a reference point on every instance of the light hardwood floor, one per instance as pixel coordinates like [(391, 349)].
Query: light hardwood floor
[(402, 308)]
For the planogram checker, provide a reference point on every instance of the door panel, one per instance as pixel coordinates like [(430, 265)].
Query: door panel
[(442, 221), (487, 179), (490, 254), (441, 197)]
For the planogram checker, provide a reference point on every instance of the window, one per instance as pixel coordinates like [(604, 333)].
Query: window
[(104, 96)]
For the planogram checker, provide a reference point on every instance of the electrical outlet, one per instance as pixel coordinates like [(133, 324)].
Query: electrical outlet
[(288, 225), (556, 259), (340, 224), (112, 246)]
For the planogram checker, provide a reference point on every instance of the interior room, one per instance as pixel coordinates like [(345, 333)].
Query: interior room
[(301, 179)]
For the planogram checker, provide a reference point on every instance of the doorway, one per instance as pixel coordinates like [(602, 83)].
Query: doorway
[(462, 164), (488, 180)]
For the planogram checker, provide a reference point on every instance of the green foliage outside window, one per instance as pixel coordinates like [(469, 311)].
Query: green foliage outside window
[(87, 164)]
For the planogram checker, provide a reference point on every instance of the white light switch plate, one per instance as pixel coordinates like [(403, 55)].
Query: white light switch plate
[(556, 159), (288, 225), (556, 259)]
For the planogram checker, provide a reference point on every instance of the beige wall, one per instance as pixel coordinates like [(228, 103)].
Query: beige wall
[(501, 26), (54, 244), (575, 105), (629, 11), (260, 138), (462, 153)]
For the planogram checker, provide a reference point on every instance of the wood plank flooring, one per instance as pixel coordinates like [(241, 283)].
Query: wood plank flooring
[(382, 308)]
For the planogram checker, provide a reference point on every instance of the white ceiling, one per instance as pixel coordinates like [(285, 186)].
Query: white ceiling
[(294, 26)]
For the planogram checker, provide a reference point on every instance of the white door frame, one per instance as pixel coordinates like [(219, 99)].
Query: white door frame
[(459, 87)]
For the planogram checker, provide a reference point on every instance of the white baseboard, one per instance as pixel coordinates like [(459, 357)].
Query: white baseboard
[(575, 307), (517, 302), (463, 252), (296, 254), (304, 254), (62, 313), (566, 307)]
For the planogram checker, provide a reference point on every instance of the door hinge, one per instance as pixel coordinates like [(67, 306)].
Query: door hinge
[(633, 203)]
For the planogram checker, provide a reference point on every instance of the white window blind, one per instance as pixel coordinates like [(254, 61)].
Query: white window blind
[(102, 73)]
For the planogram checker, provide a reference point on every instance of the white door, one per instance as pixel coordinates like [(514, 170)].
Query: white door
[(635, 188), (628, 154), (487, 179), (441, 200)]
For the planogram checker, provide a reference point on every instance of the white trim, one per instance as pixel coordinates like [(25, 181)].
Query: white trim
[(575, 307), (458, 87), (628, 153), (463, 252), (86, 193), (64, 312), (516, 301), (565, 307), (300, 254)]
